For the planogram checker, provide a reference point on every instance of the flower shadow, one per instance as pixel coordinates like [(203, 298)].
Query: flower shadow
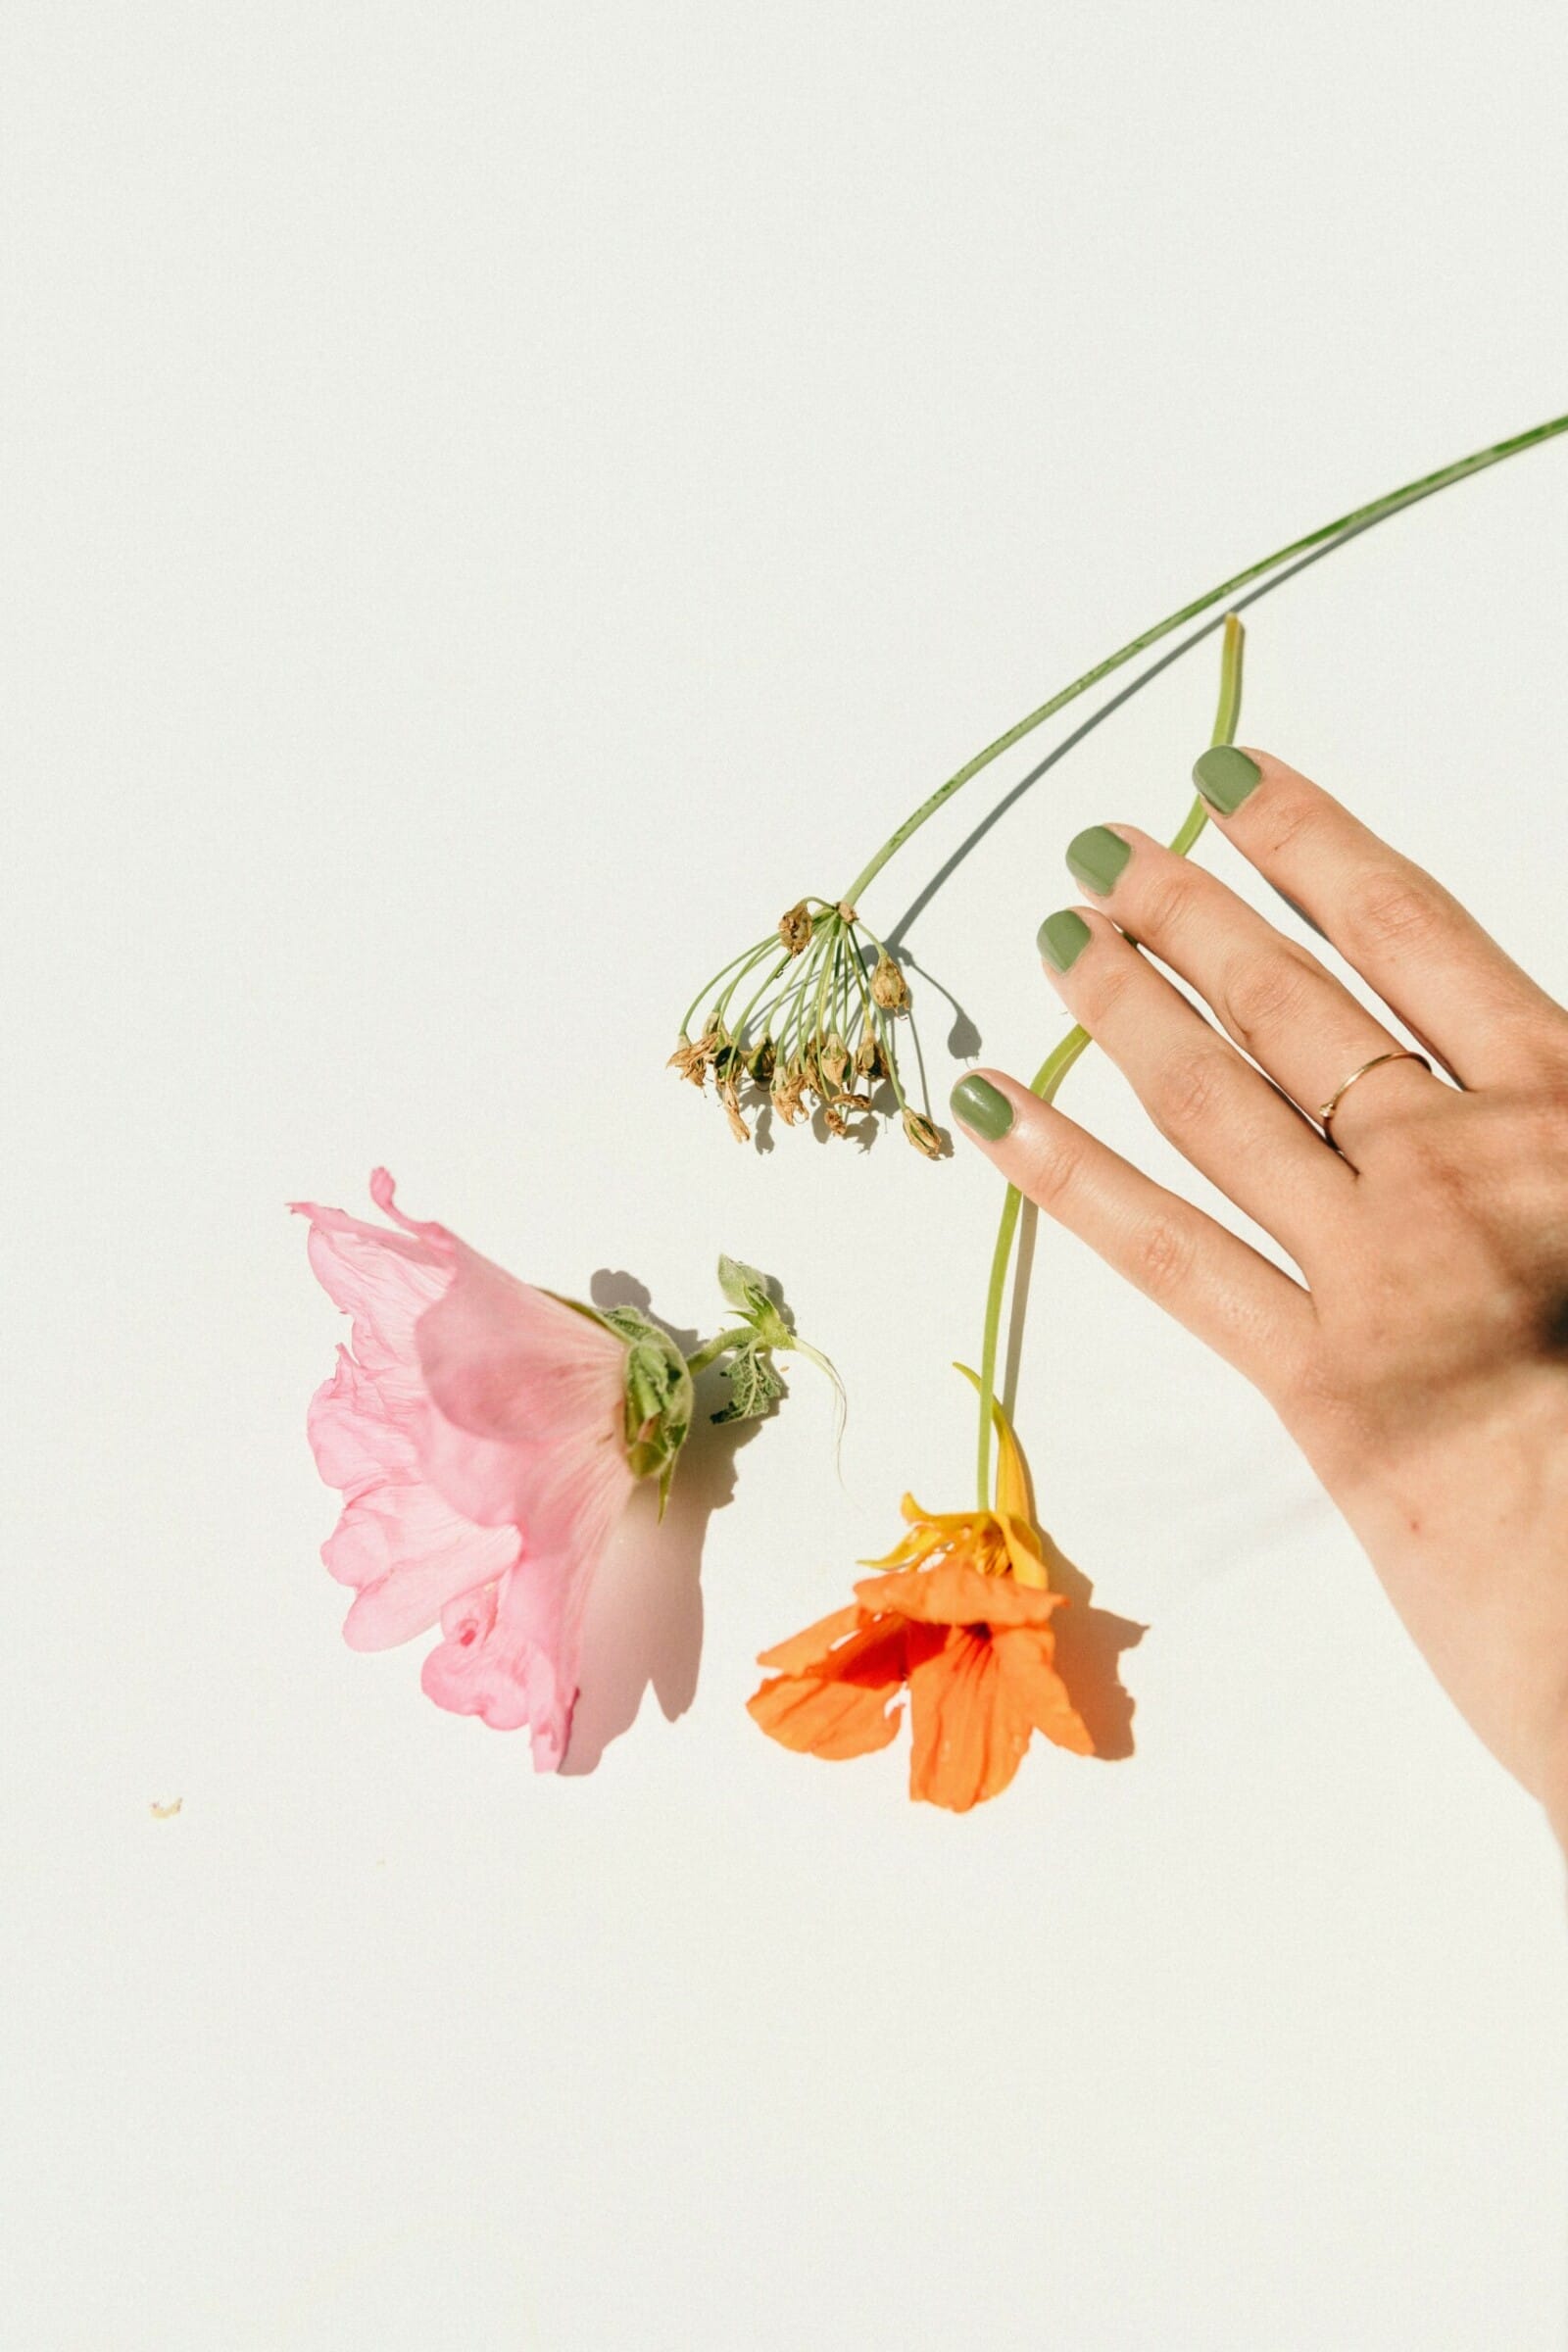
[(644, 1624), (1090, 1642)]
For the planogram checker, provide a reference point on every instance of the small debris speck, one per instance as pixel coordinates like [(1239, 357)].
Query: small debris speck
[(166, 1812)]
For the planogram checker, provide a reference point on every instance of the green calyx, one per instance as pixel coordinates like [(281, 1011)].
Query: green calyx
[(661, 1381), (659, 1396)]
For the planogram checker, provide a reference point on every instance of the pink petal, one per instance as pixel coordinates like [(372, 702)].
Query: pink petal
[(510, 1654), (526, 1390), (398, 1539), (476, 1431)]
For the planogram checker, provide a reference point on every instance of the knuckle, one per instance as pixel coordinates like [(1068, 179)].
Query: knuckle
[(1160, 1253), (1055, 1168), (1263, 994), (1105, 985), (1183, 1092), (1389, 910), (1166, 906), (1292, 810), (1551, 1101)]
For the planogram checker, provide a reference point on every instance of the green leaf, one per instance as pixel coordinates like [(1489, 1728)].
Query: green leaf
[(753, 1384)]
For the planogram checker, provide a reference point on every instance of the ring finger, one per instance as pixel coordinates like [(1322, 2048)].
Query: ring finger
[(1278, 1003)]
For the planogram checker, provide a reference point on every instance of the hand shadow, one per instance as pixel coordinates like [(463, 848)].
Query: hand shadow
[(644, 1623)]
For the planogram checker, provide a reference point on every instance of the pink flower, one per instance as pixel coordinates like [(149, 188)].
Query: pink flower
[(476, 1429)]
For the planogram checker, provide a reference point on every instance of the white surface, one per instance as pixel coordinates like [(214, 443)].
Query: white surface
[(499, 499)]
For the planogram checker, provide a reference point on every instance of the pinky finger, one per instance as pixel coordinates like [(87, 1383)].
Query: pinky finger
[(1222, 1289)]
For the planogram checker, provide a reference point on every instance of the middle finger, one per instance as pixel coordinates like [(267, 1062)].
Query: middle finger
[(1234, 1126)]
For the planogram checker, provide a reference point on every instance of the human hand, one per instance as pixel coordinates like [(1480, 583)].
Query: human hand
[(1422, 1362)]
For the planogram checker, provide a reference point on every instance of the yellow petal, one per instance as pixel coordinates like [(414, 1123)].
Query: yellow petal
[(1023, 1551)]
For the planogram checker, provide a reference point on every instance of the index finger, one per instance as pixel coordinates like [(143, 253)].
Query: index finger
[(1428, 958)]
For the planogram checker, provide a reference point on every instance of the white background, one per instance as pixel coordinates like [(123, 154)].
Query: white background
[(498, 501)]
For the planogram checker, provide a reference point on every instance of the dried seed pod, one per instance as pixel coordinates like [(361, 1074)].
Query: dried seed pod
[(922, 1134), (692, 1058), (732, 1111), (787, 1090), (889, 987), (795, 928)]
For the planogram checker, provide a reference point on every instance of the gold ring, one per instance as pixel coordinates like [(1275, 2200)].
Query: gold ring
[(1396, 1053)]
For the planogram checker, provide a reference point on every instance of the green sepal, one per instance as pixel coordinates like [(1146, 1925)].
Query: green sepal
[(748, 1293), (659, 1396)]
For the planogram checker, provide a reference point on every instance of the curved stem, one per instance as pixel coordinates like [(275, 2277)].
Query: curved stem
[(747, 956), (712, 1349), (1357, 519), (1059, 1060)]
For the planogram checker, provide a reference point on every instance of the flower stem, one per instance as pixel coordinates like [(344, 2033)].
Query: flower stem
[(712, 1349), (1059, 1060), (1357, 520)]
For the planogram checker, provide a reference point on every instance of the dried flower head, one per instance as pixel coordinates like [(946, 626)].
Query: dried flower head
[(780, 1018)]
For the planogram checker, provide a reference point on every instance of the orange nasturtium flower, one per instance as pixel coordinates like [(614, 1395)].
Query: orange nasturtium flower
[(961, 1615)]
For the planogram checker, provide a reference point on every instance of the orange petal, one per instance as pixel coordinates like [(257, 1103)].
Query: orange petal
[(970, 1729), (958, 1594), (813, 1646), (1024, 1657), (838, 1714)]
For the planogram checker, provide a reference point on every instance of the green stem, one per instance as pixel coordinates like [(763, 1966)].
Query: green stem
[(712, 1349), (1059, 1060), (1357, 519)]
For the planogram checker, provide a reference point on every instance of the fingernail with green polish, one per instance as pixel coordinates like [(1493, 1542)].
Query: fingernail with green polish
[(1225, 776), (1096, 857), (1061, 939), (982, 1107)]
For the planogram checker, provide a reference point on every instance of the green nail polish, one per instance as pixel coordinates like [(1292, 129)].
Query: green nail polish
[(1061, 939), (983, 1108), (1225, 776), (1095, 858)]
